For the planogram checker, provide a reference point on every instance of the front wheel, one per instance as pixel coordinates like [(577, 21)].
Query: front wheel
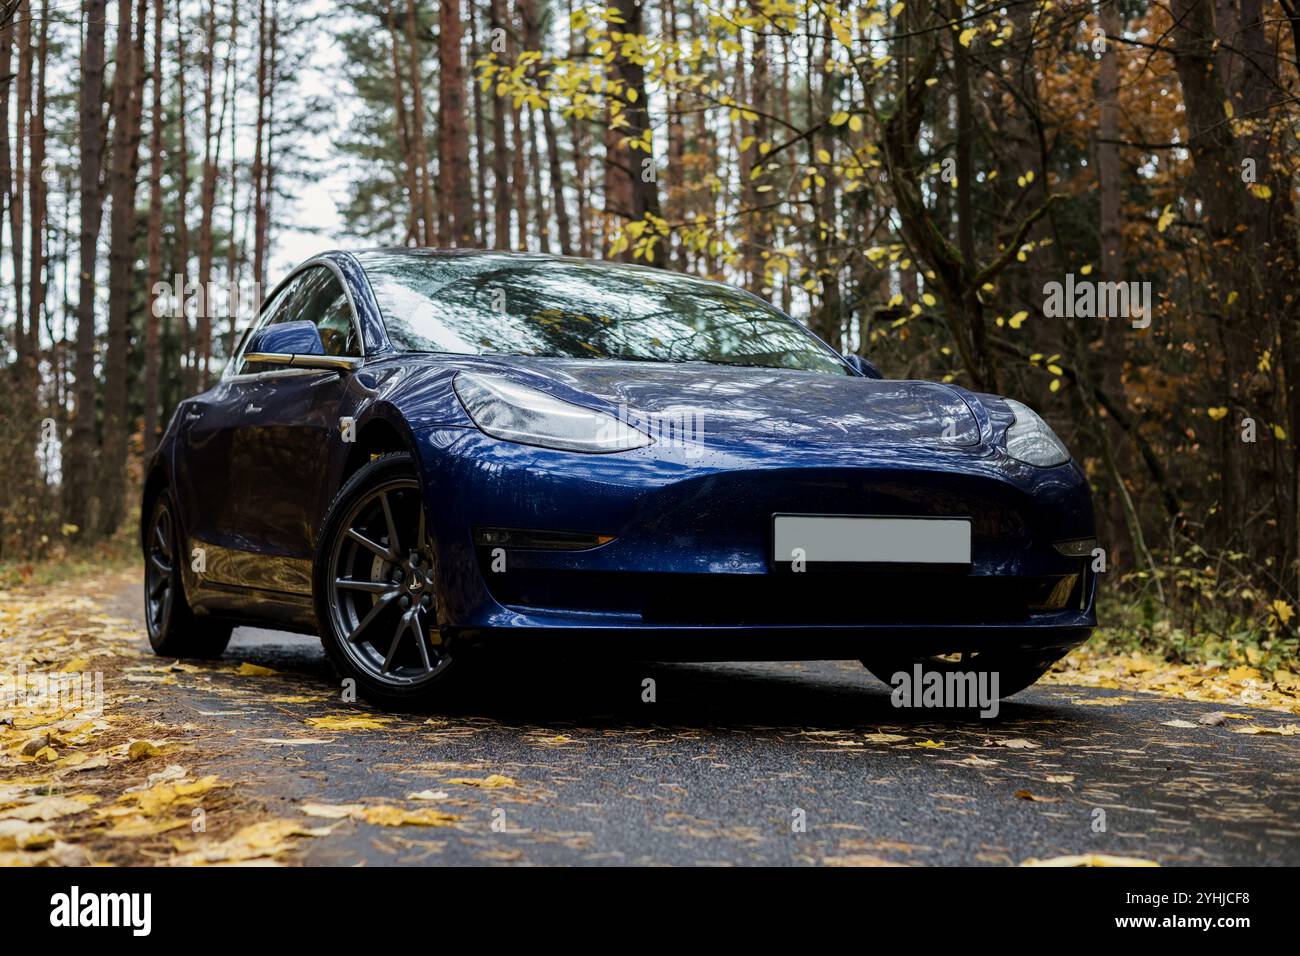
[(374, 587), (174, 629)]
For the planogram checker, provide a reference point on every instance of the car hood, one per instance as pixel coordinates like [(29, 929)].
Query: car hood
[(721, 403)]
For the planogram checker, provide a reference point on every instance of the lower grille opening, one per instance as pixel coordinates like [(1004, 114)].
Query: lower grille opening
[(858, 597)]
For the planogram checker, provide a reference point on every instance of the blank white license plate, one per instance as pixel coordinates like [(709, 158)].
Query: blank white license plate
[(837, 539)]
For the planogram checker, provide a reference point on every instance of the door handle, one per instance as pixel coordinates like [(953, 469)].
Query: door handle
[(192, 416), (252, 409)]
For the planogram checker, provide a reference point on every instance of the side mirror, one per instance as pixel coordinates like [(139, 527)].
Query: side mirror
[(297, 344), (288, 338), (864, 367)]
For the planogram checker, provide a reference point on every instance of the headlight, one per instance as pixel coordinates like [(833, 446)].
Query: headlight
[(1031, 440), (513, 412)]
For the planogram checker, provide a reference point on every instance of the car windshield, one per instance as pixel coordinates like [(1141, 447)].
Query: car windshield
[(493, 304)]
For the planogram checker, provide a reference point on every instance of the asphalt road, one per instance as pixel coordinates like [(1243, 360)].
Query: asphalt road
[(728, 761)]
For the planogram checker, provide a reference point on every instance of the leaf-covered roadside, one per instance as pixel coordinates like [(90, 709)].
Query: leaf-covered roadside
[(1237, 684), (115, 779)]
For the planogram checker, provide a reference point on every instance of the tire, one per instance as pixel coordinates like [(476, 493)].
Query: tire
[(373, 585), (1016, 668), (174, 629)]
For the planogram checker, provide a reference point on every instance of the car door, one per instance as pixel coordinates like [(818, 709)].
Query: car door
[(211, 513), (284, 428)]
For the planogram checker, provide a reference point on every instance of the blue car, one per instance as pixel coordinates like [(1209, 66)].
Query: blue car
[(414, 453)]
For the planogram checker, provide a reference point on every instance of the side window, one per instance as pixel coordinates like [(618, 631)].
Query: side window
[(315, 295), (330, 310), (272, 312)]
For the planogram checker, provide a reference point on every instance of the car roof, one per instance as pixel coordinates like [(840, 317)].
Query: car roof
[(363, 257)]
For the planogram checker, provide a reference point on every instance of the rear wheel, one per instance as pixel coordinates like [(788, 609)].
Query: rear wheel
[(174, 629), (1016, 668), (374, 587)]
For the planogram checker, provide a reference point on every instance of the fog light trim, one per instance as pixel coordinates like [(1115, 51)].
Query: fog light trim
[(1076, 547), (539, 540)]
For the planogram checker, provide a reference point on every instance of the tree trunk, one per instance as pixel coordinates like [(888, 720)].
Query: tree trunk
[(128, 80), (272, 85), (453, 138), (232, 245), (6, 156), (189, 376), (757, 228), (154, 243), (23, 21), (480, 141), (79, 471), (1110, 193), (643, 188), (1237, 227), (617, 181), (207, 197), (403, 132), (580, 133), (543, 215), (518, 174), (500, 152), (557, 181), (533, 43), (36, 298), (675, 192), (259, 147), (427, 236)]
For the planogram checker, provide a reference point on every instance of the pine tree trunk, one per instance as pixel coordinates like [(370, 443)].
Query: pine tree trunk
[(154, 242), (533, 41), (500, 153), (518, 175), (128, 79), (557, 182), (36, 297), (79, 463), (259, 148), (6, 156), (758, 229), (480, 140), (453, 138), (188, 367), (675, 195), (207, 198), (541, 216), (579, 131), (617, 186), (403, 131), (232, 245), (747, 158), (1110, 191), (23, 21), (427, 231), (272, 85), (641, 189)]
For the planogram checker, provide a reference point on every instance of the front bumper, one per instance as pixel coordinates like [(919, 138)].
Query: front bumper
[(691, 556)]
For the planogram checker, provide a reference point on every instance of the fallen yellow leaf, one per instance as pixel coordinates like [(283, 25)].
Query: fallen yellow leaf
[(1090, 859), (349, 723), (142, 750), (492, 781), (253, 670), (387, 816)]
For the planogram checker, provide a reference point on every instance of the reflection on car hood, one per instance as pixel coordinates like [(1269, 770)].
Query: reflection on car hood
[(740, 403)]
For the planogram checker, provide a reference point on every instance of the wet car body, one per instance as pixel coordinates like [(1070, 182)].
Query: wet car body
[(663, 551)]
